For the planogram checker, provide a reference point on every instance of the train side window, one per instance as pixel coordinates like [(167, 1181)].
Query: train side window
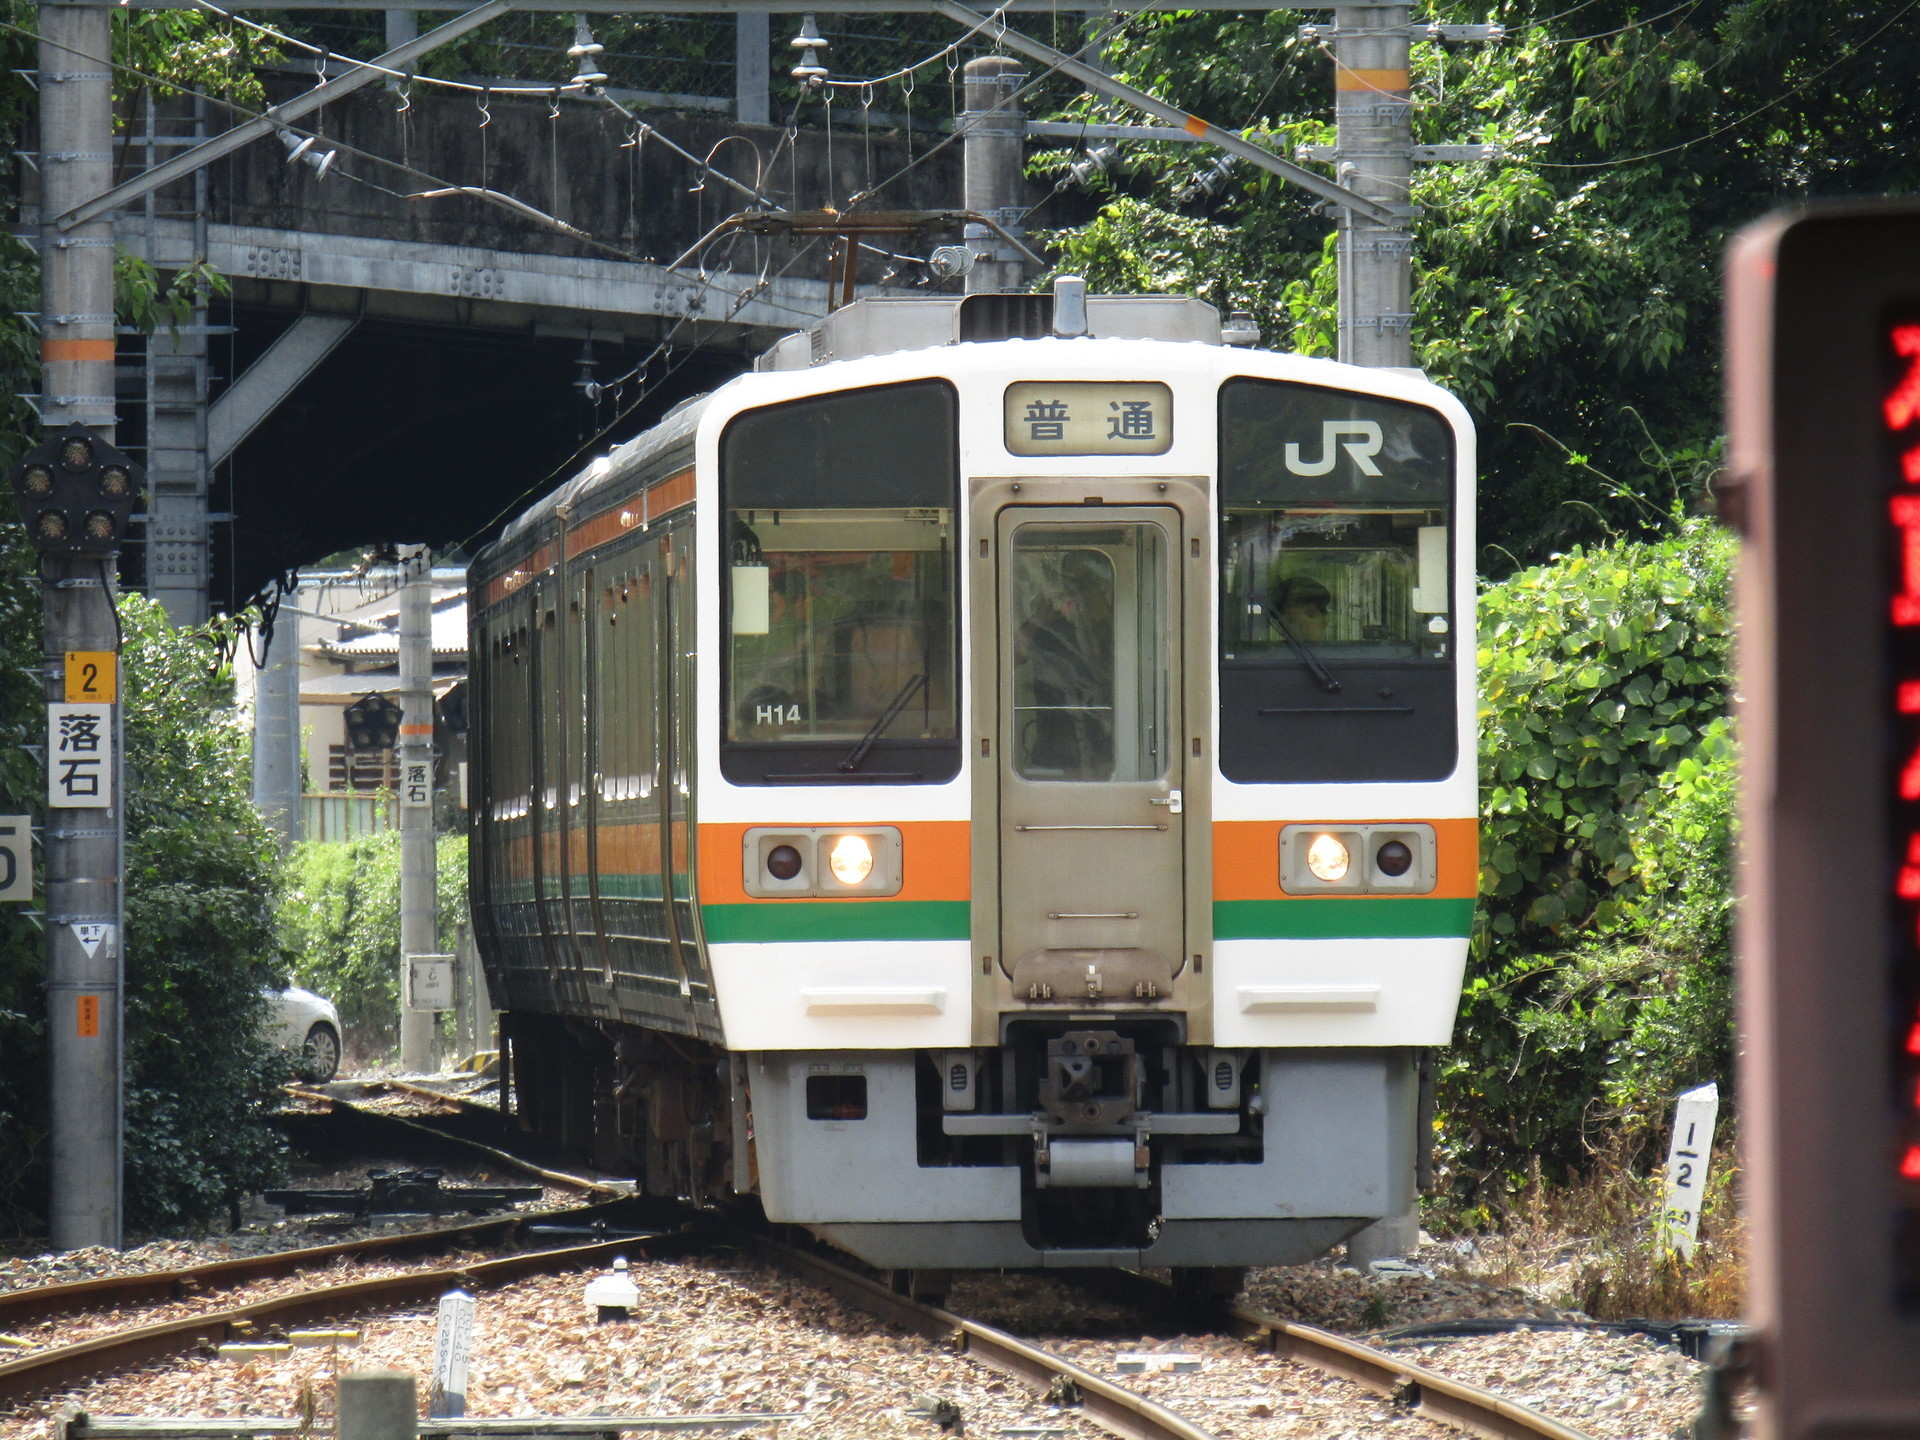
[(841, 621), (1337, 644)]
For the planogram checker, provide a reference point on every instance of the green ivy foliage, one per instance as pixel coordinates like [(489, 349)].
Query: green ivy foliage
[(341, 918), (1599, 981)]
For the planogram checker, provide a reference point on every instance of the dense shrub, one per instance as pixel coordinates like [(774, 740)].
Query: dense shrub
[(1599, 981), (203, 875), (342, 924)]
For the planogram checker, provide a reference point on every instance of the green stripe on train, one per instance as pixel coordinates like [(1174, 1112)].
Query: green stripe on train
[(838, 920), (1393, 917)]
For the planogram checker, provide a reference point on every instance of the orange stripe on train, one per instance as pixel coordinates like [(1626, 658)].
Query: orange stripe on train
[(673, 493)]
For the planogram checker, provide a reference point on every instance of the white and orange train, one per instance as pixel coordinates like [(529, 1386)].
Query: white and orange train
[(997, 784)]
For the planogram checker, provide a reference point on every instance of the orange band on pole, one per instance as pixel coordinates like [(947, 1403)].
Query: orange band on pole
[(1345, 79), (416, 729), (77, 350), (1196, 127)]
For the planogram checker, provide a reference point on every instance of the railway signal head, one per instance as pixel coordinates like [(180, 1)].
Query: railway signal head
[(76, 493), (373, 723)]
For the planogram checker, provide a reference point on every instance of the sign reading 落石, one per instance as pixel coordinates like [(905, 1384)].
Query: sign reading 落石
[(79, 757), (1045, 417), (416, 784)]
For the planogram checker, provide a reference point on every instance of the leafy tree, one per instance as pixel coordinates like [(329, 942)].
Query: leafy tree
[(1570, 293), (202, 947), (342, 923)]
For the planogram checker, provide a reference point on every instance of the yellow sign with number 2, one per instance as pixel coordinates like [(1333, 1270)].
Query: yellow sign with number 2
[(93, 677)]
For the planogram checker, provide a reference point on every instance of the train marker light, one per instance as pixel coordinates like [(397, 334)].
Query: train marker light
[(783, 862), (1394, 857), (76, 494)]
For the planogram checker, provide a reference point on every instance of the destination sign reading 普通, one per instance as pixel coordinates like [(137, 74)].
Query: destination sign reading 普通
[(1045, 417)]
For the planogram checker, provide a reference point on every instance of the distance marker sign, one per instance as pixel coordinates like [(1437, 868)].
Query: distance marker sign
[(79, 757), (92, 677)]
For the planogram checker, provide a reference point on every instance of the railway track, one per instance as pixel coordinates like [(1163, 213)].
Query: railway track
[(23, 1376), (1111, 1406), (1123, 1412), (40, 1371)]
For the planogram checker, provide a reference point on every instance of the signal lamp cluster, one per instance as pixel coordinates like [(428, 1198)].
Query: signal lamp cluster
[(76, 494), (373, 724)]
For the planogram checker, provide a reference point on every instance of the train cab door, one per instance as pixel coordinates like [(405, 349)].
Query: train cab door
[(1091, 767)]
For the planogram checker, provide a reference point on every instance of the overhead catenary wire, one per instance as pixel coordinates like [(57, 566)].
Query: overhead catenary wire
[(587, 446), (1628, 29), (437, 182), (408, 76), (1100, 41), (907, 71)]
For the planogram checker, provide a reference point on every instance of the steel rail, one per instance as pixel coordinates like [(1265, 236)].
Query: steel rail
[(153, 1287), (47, 1369), (412, 1123), (1112, 1407), (1413, 1387)]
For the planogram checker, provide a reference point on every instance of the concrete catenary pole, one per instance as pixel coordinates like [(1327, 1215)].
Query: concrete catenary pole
[(418, 921), (82, 846), (1374, 148), (276, 730), (995, 153)]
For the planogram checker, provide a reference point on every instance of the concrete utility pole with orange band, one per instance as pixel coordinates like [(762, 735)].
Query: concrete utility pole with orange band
[(419, 924), (78, 536), (1374, 155)]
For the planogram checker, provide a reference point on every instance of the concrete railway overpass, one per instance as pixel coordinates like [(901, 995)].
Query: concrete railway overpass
[(387, 366)]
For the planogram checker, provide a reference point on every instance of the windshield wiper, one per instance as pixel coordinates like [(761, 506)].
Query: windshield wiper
[(1329, 682), (887, 717)]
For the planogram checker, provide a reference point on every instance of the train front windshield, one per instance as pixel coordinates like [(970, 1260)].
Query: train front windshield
[(840, 594), (1336, 617)]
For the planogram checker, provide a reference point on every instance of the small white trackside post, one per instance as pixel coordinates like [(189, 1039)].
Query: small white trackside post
[(1688, 1155)]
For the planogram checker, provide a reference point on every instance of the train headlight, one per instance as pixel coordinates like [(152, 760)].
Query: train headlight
[(851, 860), (783, 862), (1328, 858)]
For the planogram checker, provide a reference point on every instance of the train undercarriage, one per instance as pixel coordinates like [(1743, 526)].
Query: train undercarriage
[(1073, 1143)]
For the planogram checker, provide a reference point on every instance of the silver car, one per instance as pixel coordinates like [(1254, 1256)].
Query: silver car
[(308, 1023)]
